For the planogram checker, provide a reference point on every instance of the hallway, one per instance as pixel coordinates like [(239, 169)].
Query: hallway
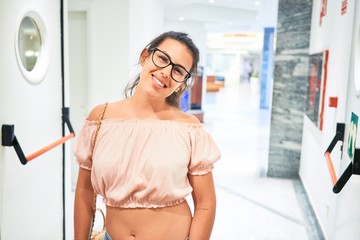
[(252, 206)]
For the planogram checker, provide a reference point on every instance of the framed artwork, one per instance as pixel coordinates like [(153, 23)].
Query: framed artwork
[(323, 10), (317, 87), (344, 6), (314, 86)]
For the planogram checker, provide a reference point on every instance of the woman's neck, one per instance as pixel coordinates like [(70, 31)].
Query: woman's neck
[(144, 106)]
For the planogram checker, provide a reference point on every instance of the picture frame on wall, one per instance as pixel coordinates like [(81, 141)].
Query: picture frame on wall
[(314, 87), (317, 87)]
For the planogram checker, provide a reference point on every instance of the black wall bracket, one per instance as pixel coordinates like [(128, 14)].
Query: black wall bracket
[(352, 168), (339, 136), (9, 139)]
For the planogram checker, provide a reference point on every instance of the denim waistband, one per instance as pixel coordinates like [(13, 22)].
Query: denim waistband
[(107, 236)]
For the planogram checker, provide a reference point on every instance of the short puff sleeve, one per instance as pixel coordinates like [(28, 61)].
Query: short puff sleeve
[(84, 146), (204, 152)]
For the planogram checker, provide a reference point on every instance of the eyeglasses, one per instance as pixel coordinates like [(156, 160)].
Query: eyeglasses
[(162, 60)]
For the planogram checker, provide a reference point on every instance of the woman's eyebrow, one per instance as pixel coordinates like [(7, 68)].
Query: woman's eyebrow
[(172, 61)]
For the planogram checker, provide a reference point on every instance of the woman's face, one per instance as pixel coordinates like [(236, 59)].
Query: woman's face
[(158, 82)]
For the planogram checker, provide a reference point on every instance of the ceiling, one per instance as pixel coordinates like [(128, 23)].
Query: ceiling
[(225, 16)]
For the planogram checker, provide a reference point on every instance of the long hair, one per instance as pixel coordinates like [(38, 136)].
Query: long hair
[(174, 98)]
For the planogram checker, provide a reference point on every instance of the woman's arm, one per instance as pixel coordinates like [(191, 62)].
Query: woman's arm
[(204, 206), (84, 205)]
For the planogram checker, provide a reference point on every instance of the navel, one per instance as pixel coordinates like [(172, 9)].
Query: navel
[(133, 234)]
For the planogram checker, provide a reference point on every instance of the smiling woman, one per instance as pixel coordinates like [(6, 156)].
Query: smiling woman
[(149, 155), (161, 59)]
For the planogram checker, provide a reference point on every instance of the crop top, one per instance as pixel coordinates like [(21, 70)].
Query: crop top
[(143, 163)]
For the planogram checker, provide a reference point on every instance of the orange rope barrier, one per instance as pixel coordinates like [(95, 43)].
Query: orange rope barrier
[(49, 147), (331, 168)]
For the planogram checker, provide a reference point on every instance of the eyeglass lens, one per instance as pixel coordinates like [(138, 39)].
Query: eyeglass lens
[(178, 73)]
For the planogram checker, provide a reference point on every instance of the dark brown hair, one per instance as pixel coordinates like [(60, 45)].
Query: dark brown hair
[(174, 98)]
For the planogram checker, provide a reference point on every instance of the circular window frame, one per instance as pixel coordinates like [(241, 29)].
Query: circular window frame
[(37, 74)]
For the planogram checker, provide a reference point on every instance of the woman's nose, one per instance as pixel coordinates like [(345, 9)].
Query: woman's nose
[(167, 71)]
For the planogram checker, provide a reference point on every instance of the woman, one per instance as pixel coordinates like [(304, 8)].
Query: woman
[(149, 155)]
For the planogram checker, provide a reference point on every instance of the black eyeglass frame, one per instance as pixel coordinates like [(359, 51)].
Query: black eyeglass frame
[(187, 76)]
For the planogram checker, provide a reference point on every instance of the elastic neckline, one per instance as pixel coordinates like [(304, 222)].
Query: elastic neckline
[(143, 121)]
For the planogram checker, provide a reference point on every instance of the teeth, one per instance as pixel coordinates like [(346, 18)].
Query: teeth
[(159, 83)]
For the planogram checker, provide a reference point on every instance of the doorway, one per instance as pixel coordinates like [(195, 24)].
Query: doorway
[(78, 76)]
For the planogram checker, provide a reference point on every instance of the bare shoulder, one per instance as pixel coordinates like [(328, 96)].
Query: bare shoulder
[(95, 112), (110, 109), (186, 117)]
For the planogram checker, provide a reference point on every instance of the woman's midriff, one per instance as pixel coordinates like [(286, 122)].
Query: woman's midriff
[(149, 223)]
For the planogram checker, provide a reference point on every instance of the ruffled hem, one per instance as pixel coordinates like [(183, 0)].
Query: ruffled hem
[(202, 171), (141, 204), (84, 167)]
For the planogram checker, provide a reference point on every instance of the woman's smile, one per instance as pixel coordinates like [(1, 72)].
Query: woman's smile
[(159, 83)]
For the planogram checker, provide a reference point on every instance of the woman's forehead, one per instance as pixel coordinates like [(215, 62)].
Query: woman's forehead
[(178, 52)]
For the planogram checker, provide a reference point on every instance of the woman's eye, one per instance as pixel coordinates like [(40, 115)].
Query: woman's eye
[(164, 59), (179, 71)]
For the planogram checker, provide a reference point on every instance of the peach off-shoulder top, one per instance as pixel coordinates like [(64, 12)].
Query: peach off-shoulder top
[(143, 163)]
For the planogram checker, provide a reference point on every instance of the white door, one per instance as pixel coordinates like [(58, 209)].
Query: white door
[(31, 195), (348, 211)]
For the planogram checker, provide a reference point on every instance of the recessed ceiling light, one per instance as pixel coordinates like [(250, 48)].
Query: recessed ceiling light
[(181, 18), (211, 1), (257, 3)]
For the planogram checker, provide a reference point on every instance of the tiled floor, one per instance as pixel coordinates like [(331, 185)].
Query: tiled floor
[(251, 206)]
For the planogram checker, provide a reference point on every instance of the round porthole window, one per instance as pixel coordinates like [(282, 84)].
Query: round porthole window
[(30, 46), (357, 62)]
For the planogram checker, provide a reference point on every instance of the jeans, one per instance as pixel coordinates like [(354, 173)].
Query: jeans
[(107, 237)]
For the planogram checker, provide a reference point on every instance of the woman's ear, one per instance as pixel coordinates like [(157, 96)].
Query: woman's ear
[(144, 54)]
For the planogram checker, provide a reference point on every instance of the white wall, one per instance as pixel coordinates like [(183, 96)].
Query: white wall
[(196, 31), (117, 32), (31, 195), (146, 21), (335, 35), (348, 212), (108, 42), (78, 77)]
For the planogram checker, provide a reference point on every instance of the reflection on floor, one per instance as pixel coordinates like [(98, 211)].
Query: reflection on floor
[(250, 205)]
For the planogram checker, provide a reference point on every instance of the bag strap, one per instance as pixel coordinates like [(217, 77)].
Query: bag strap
[(98, 125)]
